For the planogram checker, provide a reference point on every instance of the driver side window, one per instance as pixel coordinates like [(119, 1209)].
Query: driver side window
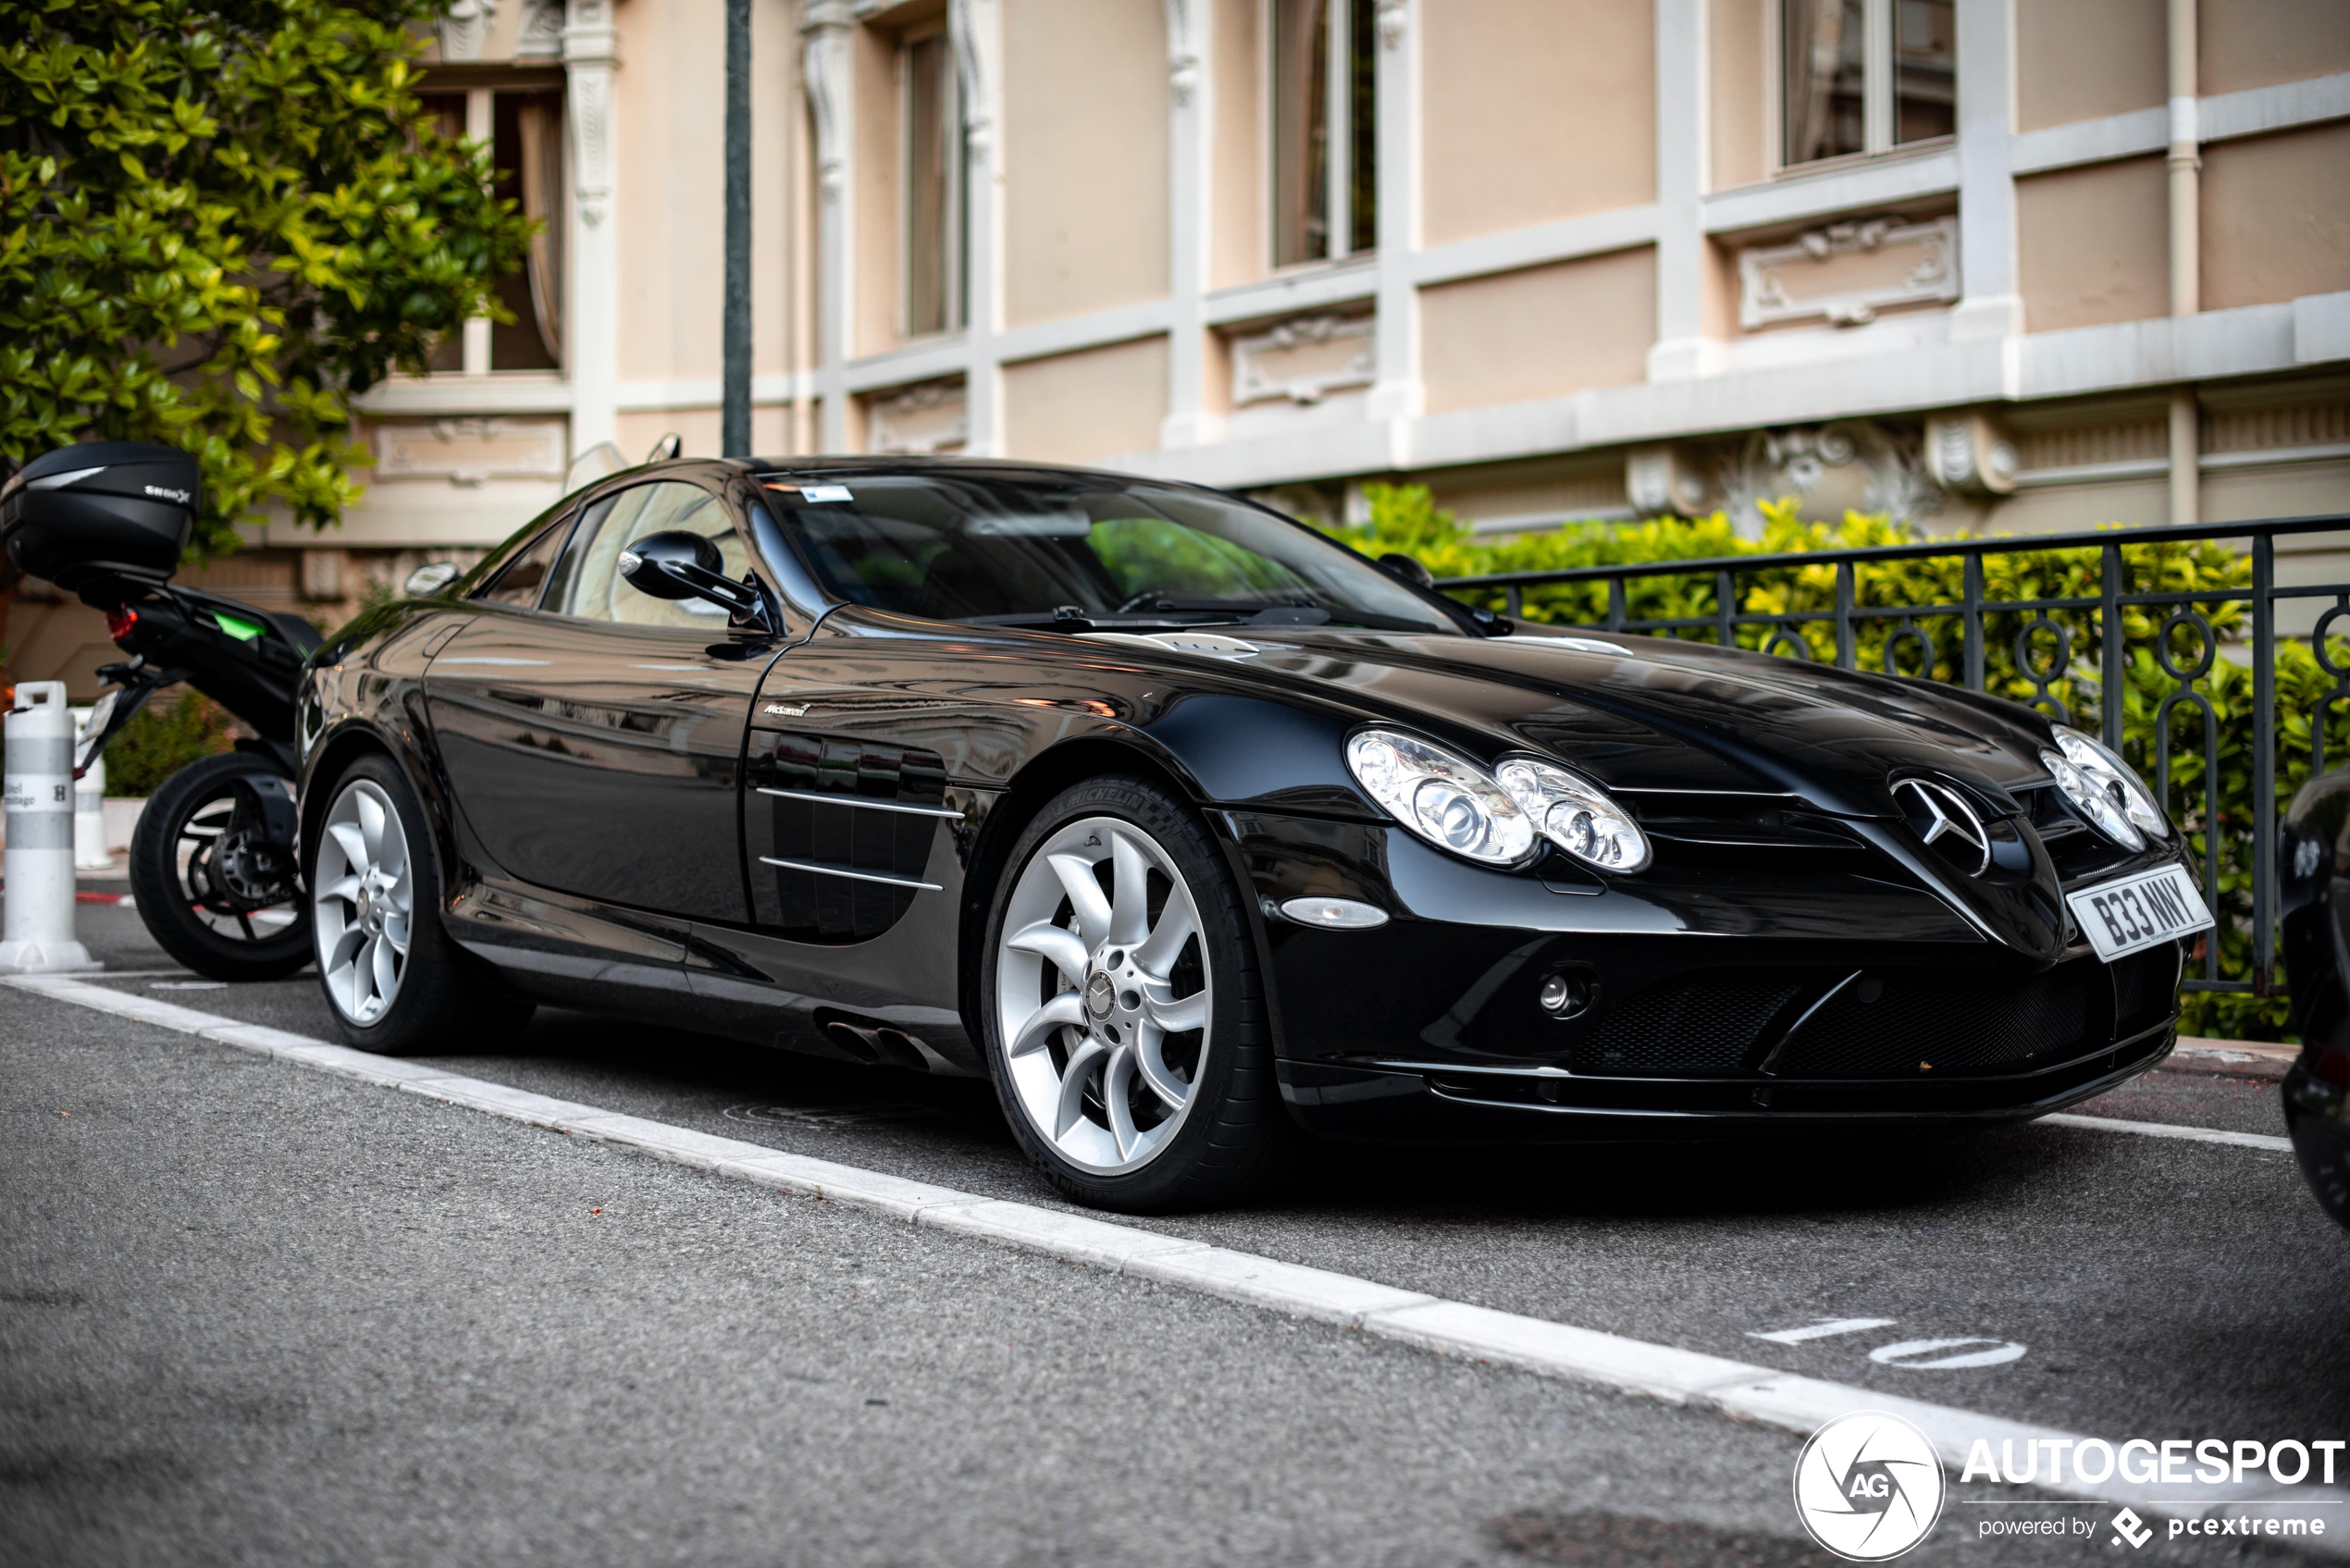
[(587, 581)]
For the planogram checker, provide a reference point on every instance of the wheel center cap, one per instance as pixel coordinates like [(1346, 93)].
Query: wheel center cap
[(370, 917), (1101, 994)]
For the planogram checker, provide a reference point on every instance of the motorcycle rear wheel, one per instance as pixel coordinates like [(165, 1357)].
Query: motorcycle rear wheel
[(204, 884)]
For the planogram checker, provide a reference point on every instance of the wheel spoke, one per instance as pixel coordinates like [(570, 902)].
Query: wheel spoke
[(1118, 1076), (387, 974), (371, 828), (1082, 1063), (1175, 1015), (346, 949), (1076, 874), (348, 839), (244, 924), (1158, 952), (1129, 905), (1155, 1070), (402, 894), (344, 888), (396, 933), (1068, 1007), (1063, 949), (362, 971)]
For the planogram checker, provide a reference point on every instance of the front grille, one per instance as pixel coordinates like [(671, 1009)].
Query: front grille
[(1705, 1023), (2146, 988), (1902, 1025)]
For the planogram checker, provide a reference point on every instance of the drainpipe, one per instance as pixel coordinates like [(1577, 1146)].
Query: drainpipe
[(2186, 260)]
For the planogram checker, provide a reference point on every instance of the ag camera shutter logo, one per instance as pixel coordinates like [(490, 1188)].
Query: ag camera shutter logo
[(1868, 1487)]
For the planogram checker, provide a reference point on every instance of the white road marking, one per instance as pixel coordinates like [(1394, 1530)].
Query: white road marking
[(1905, 1354), (2169, 1129), (1824, 1331), (1738, 1389)]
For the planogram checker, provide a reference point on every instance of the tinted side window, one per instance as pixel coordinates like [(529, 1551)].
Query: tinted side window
[(519, 581), (587, 581)]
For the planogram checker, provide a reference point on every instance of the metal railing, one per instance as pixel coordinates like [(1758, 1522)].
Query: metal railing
[(2231, 622)]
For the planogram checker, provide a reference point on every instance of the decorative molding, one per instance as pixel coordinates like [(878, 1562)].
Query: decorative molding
[(934, 417), (825, 65), (1881, 469), (590, 47), (1663, 479), (1305, 359), (1966, 451), (472, 451), (1815, 277), (541, 34), (466, 29), (976, 69), (1183, 49), (1392, 17)]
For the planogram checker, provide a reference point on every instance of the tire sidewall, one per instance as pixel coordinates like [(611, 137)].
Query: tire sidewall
[(1236, 1039), (162, 902)]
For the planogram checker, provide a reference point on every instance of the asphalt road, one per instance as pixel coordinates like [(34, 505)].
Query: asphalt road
[(251, 1313)]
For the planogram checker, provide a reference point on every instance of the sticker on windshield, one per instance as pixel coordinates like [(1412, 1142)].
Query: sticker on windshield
[(823, 492)]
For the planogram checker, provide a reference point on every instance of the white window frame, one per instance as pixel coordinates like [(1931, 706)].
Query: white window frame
[(953, 236), (1338, 98), (1876, 91)]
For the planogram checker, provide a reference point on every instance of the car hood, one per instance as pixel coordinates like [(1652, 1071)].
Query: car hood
[(1650, 713)]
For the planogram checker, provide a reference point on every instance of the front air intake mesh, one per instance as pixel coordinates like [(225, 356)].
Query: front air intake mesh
[(1703, 1023), (1919, 1025)]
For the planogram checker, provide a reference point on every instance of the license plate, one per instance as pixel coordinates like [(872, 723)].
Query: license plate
[(2137, 912)]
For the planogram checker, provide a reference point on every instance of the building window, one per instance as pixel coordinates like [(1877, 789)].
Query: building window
[(1325, 130), (936, 250), (525, 129), (1866, 76)]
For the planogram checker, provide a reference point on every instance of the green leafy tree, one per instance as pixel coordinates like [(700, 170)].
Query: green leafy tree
[(220, 221), (2204, 767)]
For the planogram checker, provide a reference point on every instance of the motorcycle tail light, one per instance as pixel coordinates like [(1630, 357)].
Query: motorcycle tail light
[(119, 621)]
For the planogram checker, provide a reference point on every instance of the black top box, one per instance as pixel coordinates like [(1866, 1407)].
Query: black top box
[(120, 509)]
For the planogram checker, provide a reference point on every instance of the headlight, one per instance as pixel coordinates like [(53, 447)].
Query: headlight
[(1443, 799), (2108, 778), (1578, 817)]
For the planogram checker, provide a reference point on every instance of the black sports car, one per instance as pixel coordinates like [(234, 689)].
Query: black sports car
[(1186, 824)]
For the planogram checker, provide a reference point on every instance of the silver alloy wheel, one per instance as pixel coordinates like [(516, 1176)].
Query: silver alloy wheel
[(1103, 1010), (363, 902)]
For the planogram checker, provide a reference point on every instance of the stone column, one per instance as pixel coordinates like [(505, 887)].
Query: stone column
[(591, 311)]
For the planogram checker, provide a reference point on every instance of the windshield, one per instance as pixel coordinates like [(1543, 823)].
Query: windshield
[(1082, 549)]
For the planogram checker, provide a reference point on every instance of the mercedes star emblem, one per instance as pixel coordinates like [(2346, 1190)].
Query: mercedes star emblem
[(1937, 811)]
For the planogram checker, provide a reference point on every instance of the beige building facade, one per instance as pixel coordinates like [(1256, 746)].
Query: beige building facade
[(2008, 266)]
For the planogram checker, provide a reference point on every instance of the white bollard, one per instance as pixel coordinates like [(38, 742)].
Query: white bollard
[(39, 860), (89, 806)]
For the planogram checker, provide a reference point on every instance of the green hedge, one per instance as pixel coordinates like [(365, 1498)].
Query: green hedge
[(1405, 518), (165, 736)]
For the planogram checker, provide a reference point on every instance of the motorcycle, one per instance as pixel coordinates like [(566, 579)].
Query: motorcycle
[(214, 862)]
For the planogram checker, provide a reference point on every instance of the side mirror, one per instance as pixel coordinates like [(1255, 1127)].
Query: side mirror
[(1408, 568), (677, 564), (430, 578)]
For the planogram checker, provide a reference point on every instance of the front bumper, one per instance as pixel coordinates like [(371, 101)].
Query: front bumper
[(1742, 996)]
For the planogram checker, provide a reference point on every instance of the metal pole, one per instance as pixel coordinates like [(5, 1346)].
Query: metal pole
[(2110, 632), (1726, 604), (734, 419), (2264, 769), (1844, 656), (1973, 619)]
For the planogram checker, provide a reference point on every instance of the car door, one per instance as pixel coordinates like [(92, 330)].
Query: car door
[(594, 737)]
